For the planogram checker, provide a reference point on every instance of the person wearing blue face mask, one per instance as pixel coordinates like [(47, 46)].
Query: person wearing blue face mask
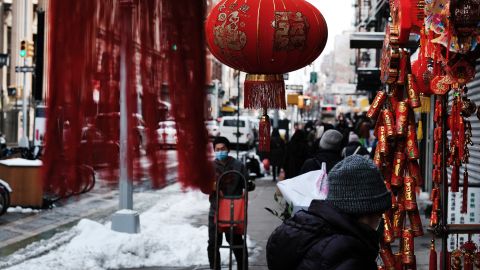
[(223, 163)]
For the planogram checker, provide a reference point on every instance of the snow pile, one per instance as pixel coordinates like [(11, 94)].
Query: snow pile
[(21, 162), (19, 209), (167, 238)]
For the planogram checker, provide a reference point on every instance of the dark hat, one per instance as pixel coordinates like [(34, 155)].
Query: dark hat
[(223, 140), (331, 140), (355, 186)]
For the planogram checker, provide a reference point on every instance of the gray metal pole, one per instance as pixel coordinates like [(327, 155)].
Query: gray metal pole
[(126, 189), (24, 139), (125, 220)]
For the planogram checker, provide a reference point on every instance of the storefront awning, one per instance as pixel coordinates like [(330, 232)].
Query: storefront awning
[(374, 40)]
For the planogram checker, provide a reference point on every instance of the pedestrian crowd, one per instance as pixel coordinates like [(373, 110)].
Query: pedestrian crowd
[(316, 142)]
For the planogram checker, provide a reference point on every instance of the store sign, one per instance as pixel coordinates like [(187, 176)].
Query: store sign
[(294, 88)]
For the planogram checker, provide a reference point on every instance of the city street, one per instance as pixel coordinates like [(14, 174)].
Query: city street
[(131, 133)]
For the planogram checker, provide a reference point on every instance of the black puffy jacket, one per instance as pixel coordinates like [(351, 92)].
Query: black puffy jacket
[(330, 157), (322, 238)]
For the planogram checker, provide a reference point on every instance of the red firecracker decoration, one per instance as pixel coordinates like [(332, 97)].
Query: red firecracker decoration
[(265, 39)]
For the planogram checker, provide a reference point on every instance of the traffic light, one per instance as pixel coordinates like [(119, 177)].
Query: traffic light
[(30, 49), (26, 49), (23, 48)]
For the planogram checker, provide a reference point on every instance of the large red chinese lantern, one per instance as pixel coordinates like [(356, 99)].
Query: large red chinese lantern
[(265, 38)]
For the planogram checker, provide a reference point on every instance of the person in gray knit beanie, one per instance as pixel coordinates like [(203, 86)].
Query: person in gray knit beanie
[(331, 140), (340, 233), (356, 187)]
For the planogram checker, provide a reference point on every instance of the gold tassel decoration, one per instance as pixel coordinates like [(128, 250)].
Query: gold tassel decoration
[(420, 130)]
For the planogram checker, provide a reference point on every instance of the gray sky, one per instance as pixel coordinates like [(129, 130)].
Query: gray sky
[(339, 16)]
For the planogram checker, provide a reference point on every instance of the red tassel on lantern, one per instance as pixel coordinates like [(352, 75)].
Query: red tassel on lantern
[(264, 91), (264, 134), (433, 257)]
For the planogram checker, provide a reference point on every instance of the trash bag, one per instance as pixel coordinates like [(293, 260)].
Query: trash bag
[(301, 190)]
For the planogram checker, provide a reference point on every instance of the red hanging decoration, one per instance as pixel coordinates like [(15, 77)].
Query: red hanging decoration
[(433, 257), (186, 80), (69, 92), (264, 134), (150, 65), (99, 33), (464, 207), (265, 39), (448, 262)]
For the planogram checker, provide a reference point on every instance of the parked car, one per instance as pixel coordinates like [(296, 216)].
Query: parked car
[(212, 128), (108, 124), (167, 134), (246, 133)]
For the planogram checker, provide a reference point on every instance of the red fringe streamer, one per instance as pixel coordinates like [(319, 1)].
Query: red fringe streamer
[(70, 92), (264, 134), (264, 94), (150, 65), (186, 56), (85, 41)]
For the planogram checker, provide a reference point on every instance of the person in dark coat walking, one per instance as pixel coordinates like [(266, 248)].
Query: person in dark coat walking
[(330, 152), (340, 233), (223, 163), (354, 147), (295, 154), (277, 152)]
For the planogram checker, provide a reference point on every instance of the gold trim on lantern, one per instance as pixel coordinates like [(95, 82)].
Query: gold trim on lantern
[(264, 77)]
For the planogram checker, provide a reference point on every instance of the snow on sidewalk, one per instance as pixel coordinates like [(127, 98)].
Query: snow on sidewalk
[(167, 238)]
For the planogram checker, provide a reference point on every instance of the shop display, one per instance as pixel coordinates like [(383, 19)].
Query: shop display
[(448, 31)]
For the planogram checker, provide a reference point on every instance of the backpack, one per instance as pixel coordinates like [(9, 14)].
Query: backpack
[(289, 243)]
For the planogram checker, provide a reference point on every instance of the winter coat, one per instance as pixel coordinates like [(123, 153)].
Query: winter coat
[(277, 151), (352, 147), (232, 184), (331, 157), (322, 238), (295, 154)]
